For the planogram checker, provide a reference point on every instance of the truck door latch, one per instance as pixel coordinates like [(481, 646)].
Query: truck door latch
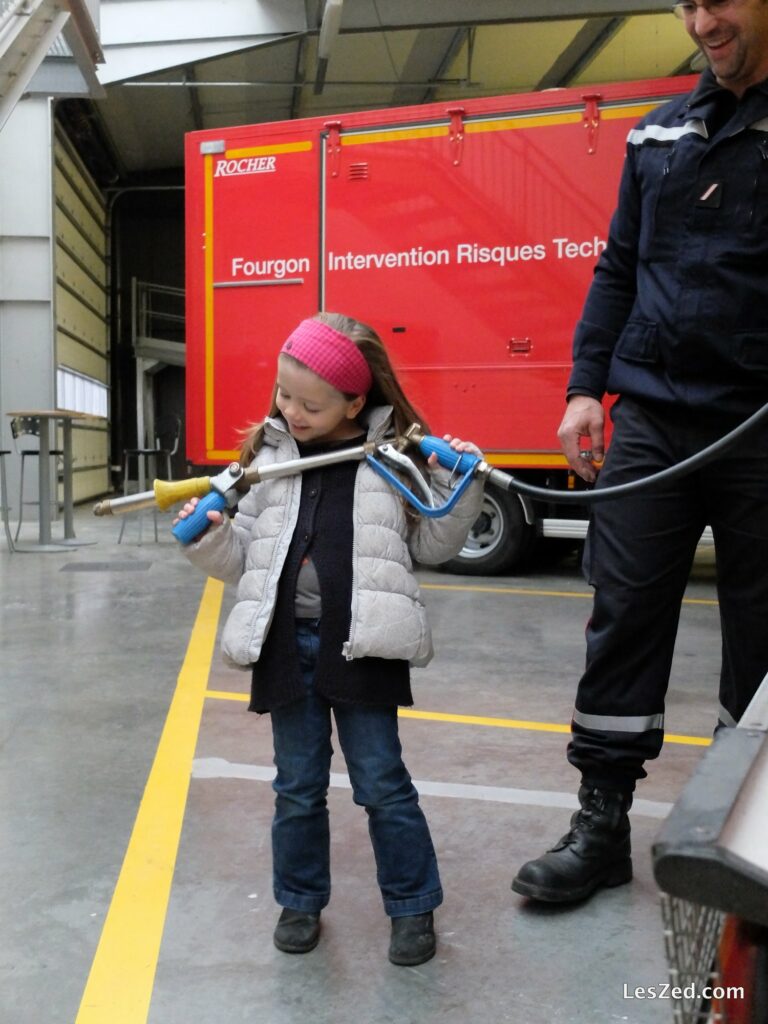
[(591, 119), (334, 146), (456, 134)]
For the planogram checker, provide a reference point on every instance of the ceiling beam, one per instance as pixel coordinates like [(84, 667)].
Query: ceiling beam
[(141, 37), (82, 31), (27, 32), (584, 47), (431, 54), (299, 77), (367, 15), (691, 65), (195, 107), (137, 22), (313, 12)]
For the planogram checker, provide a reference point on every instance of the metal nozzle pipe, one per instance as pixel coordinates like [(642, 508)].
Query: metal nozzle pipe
[(130, 503)]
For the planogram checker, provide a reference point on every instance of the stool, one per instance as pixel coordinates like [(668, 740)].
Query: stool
[(22, 426), (4, 501), (146, 471), (167, 435)]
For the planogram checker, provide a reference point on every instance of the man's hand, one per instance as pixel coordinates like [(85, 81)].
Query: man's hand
[(584, 417)]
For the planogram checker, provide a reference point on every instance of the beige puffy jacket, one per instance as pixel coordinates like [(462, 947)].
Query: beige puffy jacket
[(388, 616)]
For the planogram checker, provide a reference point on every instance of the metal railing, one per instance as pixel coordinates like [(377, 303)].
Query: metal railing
[(157, 313)]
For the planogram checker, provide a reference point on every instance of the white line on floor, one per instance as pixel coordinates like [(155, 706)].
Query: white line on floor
[(218, 768)]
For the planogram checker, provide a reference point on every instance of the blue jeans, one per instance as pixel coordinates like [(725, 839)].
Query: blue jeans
[(406, 865)]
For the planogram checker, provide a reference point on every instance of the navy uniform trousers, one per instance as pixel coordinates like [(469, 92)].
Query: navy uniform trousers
[(638, 556)]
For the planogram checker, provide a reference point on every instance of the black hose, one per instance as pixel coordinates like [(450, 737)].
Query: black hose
[(511, 483)]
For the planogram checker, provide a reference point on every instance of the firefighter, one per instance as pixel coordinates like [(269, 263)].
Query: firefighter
[(675, 324)]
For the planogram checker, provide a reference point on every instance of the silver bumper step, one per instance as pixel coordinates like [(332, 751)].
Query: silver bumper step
[(576, 529)]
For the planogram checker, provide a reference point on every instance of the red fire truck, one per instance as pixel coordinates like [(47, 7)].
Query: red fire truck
[(464, 233)]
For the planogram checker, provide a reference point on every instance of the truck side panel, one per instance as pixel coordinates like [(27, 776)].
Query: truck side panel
[(471, 259), (465, 236), (252, 272)]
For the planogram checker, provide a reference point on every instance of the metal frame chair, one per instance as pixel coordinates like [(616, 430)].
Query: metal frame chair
[(4, 501), (28, 426), (167, 437)]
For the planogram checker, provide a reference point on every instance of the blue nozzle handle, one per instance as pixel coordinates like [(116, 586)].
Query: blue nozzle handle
[(187, 529), (431, 512), (459, 462)]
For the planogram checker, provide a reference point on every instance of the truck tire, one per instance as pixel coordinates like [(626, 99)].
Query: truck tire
[(500, 538)]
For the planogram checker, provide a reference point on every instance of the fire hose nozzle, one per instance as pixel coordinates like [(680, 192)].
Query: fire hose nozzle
[(128, 503)]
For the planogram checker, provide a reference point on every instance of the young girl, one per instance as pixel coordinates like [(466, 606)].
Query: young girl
[(329, 616)]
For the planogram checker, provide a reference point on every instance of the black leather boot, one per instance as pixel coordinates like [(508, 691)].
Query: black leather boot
[(594, 853), (413, 940), (297, 931)]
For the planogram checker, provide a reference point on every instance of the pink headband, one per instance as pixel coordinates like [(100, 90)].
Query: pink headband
[(331, 355)]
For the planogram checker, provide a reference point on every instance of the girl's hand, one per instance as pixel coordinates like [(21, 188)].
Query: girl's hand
[(458, 445), (215, 517)]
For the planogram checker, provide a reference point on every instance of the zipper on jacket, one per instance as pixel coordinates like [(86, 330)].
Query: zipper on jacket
[(346, 647), (293, 483), (762, 148)]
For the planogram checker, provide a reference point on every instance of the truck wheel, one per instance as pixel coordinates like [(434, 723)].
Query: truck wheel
[(499, 539)]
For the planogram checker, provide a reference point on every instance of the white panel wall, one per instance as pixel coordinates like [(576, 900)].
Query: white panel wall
[(52, 291), (27, 358)]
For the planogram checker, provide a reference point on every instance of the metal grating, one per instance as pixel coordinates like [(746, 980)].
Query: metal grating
[(691, 940)]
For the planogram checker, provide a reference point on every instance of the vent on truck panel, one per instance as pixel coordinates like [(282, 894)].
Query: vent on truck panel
[(358, 172)]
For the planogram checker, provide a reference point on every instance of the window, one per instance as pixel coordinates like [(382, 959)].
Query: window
[(80, 393)]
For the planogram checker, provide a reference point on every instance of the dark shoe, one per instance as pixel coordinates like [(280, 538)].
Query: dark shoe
[(595, 853), (297, 931), (413, 940)]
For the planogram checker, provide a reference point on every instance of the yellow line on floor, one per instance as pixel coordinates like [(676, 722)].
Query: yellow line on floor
[(533, 592), (227, 695), (119, 987), (498, 723)]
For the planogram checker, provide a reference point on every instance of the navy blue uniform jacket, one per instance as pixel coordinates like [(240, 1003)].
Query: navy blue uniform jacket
[(678, 308)]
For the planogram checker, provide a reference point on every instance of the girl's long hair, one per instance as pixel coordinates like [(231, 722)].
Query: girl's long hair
[(385, 389)]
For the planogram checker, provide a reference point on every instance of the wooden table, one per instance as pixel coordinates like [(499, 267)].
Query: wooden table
[(46, 418)]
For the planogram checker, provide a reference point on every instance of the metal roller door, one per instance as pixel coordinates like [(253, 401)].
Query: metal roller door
[(82, 346)]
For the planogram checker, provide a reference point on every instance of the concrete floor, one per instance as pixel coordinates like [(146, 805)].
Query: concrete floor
[(93, 642)]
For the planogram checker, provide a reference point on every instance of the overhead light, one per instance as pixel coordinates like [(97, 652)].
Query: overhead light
[(329, 28)]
